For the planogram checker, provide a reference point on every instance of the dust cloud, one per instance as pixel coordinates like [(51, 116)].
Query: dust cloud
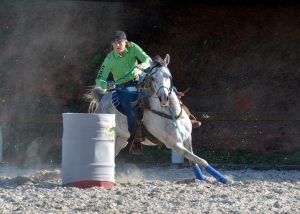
[(42, 44)]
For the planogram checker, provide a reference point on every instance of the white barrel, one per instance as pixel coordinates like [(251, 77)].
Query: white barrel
[(176, 158), (88, 149), (1, 145)]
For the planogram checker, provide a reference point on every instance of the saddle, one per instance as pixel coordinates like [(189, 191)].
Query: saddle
[(141, 132), (193, 119)]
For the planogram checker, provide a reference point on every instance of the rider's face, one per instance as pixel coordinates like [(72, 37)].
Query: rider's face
[(119, 46)]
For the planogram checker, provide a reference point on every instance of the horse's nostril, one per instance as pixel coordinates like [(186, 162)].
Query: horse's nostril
[(164, 105)]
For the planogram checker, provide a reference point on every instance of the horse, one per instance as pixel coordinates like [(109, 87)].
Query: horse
[(165, 118)]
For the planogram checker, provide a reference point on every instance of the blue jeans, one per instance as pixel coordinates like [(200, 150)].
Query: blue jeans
[(128, 101)]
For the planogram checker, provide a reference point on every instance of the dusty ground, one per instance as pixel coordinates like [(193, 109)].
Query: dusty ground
[(144, 189)]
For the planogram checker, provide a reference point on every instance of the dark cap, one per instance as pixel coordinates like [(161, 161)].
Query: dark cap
[(118, 36)]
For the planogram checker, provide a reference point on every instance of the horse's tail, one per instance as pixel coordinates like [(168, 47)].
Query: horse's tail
[(94, 96)]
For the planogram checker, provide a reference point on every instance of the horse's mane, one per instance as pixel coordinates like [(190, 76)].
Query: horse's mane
[(93, 96), (159, 61)]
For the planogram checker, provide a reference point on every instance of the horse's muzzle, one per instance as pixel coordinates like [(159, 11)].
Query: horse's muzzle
[(164, 101)]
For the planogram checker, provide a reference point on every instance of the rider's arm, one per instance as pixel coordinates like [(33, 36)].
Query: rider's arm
[(103, 73), (142, 56)]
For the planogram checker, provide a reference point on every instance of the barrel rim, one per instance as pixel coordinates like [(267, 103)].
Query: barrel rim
[(90, 184)]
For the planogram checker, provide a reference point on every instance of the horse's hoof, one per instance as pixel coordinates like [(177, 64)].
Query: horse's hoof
[(195, 124)]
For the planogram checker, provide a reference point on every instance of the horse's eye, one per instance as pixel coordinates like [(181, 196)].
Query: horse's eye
[(152, 78)]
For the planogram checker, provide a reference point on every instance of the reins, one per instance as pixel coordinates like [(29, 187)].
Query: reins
[(175, 121), (170, 117)]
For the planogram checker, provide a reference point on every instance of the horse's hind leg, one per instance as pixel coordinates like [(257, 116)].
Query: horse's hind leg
[(180, 149), (120, 144)]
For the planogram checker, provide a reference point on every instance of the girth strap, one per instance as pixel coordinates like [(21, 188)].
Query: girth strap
[(151, 137)]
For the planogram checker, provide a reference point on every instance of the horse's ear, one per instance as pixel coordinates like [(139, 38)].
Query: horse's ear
[(167, 59)]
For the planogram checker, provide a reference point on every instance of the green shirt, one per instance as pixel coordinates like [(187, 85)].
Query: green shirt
[(120, 65)]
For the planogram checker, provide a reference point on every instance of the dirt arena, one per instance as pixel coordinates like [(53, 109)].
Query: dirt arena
[(144, 189)]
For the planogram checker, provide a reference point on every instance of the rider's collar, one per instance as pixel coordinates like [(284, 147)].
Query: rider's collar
[(116, 54)]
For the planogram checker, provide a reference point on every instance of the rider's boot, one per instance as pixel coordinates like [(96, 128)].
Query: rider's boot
[(136, 139), (195, 123)]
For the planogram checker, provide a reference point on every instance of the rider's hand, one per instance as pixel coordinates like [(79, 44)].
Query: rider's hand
[(111, 85), (140, 66)]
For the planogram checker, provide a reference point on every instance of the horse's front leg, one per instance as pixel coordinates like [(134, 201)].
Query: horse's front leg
[(188, 145), (181, 150)]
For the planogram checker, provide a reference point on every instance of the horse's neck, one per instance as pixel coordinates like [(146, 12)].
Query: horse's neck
[(174, 102)]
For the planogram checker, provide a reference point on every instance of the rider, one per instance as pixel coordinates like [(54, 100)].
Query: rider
[(126, 62)]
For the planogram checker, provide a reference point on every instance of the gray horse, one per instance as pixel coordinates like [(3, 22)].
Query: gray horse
[(165, 118)]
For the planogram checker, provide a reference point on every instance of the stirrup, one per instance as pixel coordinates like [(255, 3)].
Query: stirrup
[(139, 135), (136, 148)]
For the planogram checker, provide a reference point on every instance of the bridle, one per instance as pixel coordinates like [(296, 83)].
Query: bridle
[(152, 72), (147, 82)]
